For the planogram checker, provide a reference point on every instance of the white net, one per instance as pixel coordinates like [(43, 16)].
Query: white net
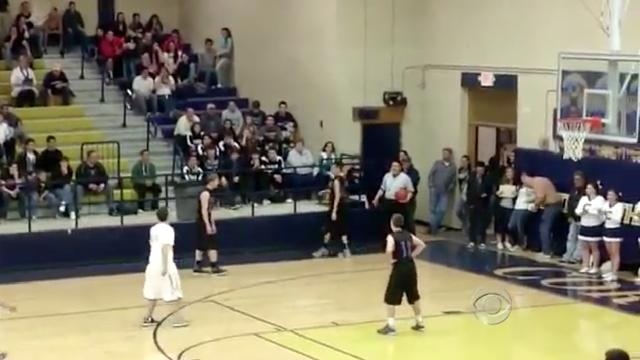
[(573, 133)]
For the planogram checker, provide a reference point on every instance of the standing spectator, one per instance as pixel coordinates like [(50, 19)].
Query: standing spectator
[(155, 27), (234, 114), (60, 187), (301, 159), (92, 178), (143, 97), (192, 172), (50, 157), (74, 29), (56, 84), (165, 85), (442, 181), (183, 130), (393, 182), (590, 209), (414, 175), (225, 57), (207, 64), (573, 248), (547, 198), (10, 183), (283, 117), (119, 26), (210, 120), (143, 176), (52, 26), (257, 114), (506, 194), (110, 52), (328, 157), (479, 192), (464, 170), (23, 84), (27, 160), (522, 211)]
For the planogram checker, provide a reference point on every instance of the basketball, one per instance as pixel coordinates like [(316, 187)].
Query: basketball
[(402, 195)]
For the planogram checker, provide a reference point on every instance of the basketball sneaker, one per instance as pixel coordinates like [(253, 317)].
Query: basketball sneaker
[(217, 270), (418, 327), (347, 252), (584, 270), (592, 271), (199, 270), (148, 322), (482, 246), (471, 245), (387, 330), (322, 252)]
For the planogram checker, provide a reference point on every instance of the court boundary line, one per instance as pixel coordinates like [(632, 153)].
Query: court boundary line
[(285, 347)]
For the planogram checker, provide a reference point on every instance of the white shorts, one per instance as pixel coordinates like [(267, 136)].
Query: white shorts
[(158, 287)]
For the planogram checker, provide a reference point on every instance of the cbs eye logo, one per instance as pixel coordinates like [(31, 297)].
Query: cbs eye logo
[(491, 307)]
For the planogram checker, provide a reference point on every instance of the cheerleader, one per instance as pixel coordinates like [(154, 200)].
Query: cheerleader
[(612, 234), (590, 209)]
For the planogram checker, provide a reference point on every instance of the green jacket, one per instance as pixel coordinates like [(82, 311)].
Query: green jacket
[(139, 176)]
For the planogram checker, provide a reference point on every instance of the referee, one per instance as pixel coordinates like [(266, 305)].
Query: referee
[(392, 182)]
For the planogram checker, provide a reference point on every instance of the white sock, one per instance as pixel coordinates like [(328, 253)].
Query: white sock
[(391, 322), (419, 319)]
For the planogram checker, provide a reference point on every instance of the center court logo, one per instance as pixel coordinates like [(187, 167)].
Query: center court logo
[(491, 307)]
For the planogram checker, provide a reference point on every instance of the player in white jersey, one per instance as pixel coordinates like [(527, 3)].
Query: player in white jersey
[(162, 281)]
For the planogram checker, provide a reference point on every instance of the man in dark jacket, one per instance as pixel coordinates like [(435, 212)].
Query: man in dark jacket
[(27, 160), (73, 28), (479, 192), (92, 178), (414, 175), (143, 175), (56, 84), (50, 157), (573, 252)]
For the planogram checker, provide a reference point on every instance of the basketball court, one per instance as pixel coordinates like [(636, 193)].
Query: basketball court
[(326, 309)]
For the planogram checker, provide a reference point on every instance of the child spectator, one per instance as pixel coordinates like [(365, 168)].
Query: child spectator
[(207, 64), (60, 187), (50, 158), (192, 172), (165, 85), (225, 57), (257, 114), (283, 117), (110, 51)]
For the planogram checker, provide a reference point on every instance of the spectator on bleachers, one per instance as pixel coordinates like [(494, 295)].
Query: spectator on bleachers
[(5, 18), (60, 186), (92, 178), (17, 132), (227, 129), (210, 160), (247, 124), (183, 130), (129, 58), (32, 25), (143, 176), (232, 170), (10, 183), (257, 114), (119, 26), (6, 133), (207, 64), (165, 85), (328, 157), (23, 84), (234, 114), (136, 28), (210, 119), (183, 76), (227, 146), (14, 46), (302, 160), (195, 137), (74, 29), (256, 178), (145, 51), (27, 159), (270, 134), (192, 172), (283, 117), (225, 57), (155, 27), (249, 141), (52, 26), (49, 159), (110, 51), (273, 165), (56, 85), (207, 143), (143, 97), (174, 38), (171, 56)]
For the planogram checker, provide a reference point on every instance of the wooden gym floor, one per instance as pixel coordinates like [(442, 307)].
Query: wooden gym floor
[(324, 309)]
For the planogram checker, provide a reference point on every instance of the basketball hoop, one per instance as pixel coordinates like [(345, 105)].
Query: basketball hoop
[(574, 132)]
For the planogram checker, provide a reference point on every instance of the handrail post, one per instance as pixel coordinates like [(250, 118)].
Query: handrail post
[(148, 120), (28, 203), (76, 208), (124, 112), (102, 85), (82, 64), (166, 191), (121, 198)]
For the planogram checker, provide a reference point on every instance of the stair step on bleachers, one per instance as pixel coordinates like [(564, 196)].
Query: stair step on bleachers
[(70, 138), (51, 112), (57, 125)]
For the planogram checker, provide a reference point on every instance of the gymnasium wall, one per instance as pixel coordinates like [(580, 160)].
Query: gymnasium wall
[(168, 10)]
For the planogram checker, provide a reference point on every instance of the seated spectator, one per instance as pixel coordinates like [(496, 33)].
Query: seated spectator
[(232, 170), (129, 58), (234, 114), (210, 160), (110, 51), (270, 134), (23, 84), (92, 178), (16, 44), (207, 65), (183, 130), (249, 141), (50, 158), (273, 166), (257, 114), (52, 26), (328, 157), (26, 37), (74, 29), (6, 133), (59, 187), (27, 160), (136, 28), (195, 137), (210, 120), (301, 159), (247, 124), (171, 56), (119, 26), (283, 117), (227, 129), (174, 38), (143, 175), (256, 179), (207, 143), (10, 184), (225, 59), (155, 27), (227, 146), (191, 171), (146, 51), (16, 132), (182, 75), (143, 97), (56, 84), (165, 85)]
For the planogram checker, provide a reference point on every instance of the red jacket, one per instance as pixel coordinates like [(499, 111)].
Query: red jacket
[(174, 39), (111, 49)]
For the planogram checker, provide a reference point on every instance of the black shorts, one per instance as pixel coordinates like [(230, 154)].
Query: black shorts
[(337, 228), (402, 281), (205, 241)]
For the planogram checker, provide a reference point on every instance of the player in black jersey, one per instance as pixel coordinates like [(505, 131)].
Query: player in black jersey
[(402, 248), (206, 229), (336, 241)]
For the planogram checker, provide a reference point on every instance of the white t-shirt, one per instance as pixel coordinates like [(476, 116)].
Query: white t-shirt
[(142, 86), (613, 215), (392, 184), (164, 89), (591, 211), (161, 234), (525, 198)]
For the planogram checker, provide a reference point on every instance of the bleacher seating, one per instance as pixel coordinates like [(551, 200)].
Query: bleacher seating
[(5, 75)]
